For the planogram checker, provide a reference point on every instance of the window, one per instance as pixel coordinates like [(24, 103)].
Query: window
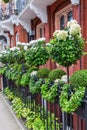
[(62, 22), (70, 16), (63, 16), (40, 31)]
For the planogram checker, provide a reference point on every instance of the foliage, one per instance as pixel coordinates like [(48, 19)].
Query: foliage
[(32, 118), (37, 55), (18, 106), (8, 56), (49, 90), (35, 84), (43, 73), (38, 124), (8, 93), (25, 79), (79, 78), (6, 1), (67, 45), (19, 56), (3, 70), (33, 68), (69, 102), (56, 74)]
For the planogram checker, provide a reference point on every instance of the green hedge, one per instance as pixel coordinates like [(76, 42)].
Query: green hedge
[(43, 73), (56, 74), (79, 78)]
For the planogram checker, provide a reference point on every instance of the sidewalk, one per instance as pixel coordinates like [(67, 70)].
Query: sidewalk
[(8, 120)]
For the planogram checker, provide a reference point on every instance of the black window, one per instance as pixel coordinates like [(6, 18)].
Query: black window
[(62, 22), (70, 16), (41, 32)]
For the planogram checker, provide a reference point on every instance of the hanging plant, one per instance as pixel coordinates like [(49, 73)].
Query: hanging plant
[(49, 90), (71, 100)]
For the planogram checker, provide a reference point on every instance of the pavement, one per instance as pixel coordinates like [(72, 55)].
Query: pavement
[(8, 120)]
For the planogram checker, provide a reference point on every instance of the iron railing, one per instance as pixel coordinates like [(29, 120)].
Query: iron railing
[(74, 121)]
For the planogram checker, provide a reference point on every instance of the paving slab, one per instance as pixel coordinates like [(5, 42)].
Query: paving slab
[(8, 121)]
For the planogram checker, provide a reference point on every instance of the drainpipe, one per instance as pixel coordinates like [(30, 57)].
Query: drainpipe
[(80, 25)]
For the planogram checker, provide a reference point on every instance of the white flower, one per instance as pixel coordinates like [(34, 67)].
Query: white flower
[(32, 43), (71, 23), (64, 78), (55, 33), (15, 48), (18, 43), (62, 35), (75, 29), (33, 73), (25, 47), (47, 44), (43, 39), (57, 80)]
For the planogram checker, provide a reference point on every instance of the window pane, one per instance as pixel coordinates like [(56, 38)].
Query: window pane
[(41, 33), (70, 16), (62, 22)]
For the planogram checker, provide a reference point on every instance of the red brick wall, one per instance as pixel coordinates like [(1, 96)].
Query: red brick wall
[(22, 34), (79, 13)]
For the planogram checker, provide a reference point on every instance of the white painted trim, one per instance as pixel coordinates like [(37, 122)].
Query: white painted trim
[(7, 37), (75, 2)]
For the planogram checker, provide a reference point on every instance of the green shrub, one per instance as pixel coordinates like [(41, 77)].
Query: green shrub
[(25, 79), (33, 68), (35, 85), (43, 73), (56, 74), (79, 78)]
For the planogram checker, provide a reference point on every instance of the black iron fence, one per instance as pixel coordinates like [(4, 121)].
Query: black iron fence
[(74, 121)]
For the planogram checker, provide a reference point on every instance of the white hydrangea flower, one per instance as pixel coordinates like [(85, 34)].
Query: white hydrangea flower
[(33, 42), (41, 39), (55, 33), (33, 73), (0, 55), (71, 23), (47, 44), (62, 35), (15, 48), (25, 47), (18, 43), (57, 80), (4, 52), (64, 78), (75, 29)]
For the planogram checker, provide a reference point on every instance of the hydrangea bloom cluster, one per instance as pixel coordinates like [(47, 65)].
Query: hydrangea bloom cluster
[(67, 45), (73, 29)]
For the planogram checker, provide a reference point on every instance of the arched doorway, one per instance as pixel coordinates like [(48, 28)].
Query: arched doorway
[(4, 41)]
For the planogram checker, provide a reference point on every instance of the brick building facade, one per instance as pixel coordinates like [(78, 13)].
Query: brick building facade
[(43, 20)]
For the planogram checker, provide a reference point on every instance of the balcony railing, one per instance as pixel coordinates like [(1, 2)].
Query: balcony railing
[(13, 7)]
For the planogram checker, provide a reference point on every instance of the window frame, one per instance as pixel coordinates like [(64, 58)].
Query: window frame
[(65, 11)]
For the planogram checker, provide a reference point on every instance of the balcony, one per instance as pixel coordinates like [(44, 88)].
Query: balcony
[(11, 8)]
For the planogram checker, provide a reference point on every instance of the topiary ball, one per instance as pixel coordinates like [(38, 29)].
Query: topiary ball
[(79, 78), (33, 68), (5, 1), (43, 73), (56, 74)]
